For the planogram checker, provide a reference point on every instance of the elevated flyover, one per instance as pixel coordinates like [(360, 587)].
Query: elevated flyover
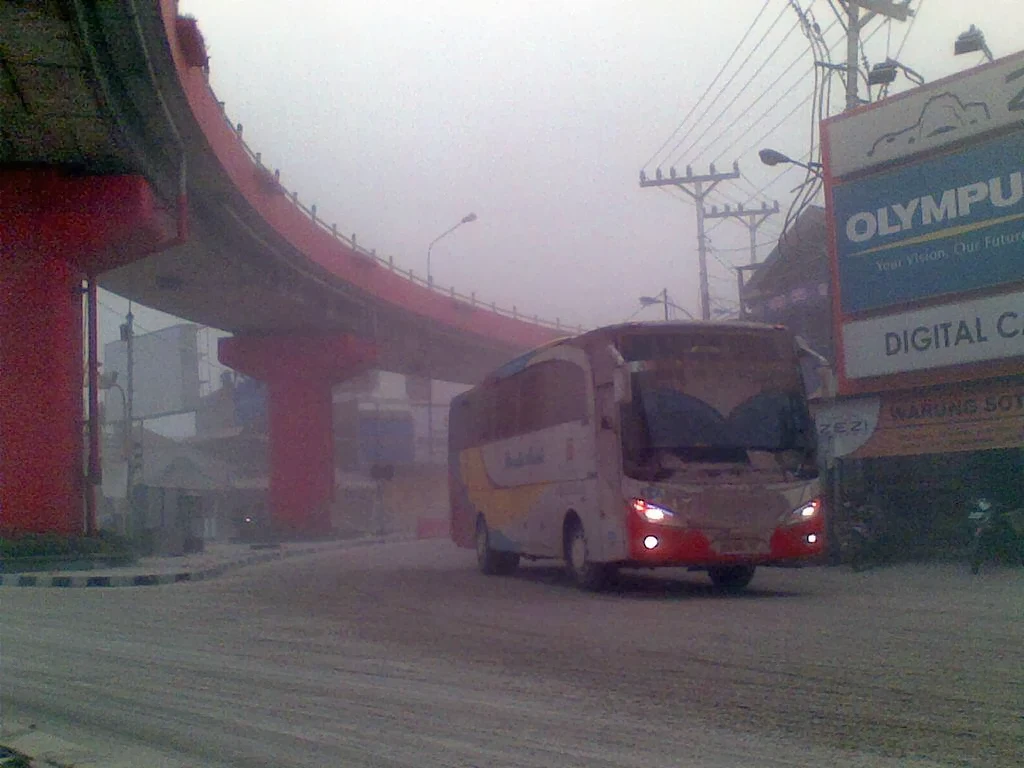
[(119, 167)]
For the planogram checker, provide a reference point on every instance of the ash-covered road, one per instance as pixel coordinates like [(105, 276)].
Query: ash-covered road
[(403, 655)]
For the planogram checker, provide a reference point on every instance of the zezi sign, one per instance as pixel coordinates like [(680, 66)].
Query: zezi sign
[(926, 195)]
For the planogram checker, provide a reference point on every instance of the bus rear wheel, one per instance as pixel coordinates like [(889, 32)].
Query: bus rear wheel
[(731, 576), (584, 574), (492, 562)]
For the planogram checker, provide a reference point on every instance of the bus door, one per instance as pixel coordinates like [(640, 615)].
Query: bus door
[(606, 537)]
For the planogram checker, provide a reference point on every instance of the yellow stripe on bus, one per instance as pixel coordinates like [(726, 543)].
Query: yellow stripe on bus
[(501, 506)]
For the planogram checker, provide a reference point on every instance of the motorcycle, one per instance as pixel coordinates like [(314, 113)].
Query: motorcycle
[(861, 531), (996, 534)]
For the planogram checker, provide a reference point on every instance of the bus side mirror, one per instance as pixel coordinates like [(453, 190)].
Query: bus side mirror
[(821, 366), (621, 386)]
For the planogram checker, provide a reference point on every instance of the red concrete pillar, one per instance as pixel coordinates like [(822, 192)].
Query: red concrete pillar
[(301, 452), (54, 229), (300, 372), (41, 376)]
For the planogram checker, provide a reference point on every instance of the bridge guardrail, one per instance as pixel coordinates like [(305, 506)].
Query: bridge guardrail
[(389, 262)]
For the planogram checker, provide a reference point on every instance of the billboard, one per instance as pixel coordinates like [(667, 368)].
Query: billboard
[(942, 226), (929, 118), (166, 372), (926, 203), (964, 417), (967, 331)]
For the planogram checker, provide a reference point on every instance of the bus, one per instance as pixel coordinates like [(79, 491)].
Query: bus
[(641, 445)]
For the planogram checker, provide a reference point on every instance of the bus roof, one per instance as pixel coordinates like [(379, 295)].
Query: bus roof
[(682, 325), (517, 364)]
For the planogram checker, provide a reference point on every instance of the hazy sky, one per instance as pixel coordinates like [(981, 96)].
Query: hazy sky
[(397, 118)]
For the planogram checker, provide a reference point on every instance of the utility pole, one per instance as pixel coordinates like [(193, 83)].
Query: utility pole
[(852, 51), (95, 474), (854, 24), (752, 218), (127, 336), (698, 193)]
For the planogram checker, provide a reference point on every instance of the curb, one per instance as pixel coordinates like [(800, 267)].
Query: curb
[(176, 577)]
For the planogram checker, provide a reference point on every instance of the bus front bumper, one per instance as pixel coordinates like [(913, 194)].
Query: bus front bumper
[(654, 545)]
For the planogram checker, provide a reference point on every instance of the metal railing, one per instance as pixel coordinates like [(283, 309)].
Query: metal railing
[(469, 300)]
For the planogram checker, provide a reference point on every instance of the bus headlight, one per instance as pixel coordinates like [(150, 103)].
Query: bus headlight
[(652, 513), (803, 513)]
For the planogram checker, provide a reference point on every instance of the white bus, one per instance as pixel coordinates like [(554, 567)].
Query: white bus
[(641, 445)]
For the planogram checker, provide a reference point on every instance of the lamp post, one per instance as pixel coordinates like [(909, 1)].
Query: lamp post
[(772, 157), (469, 218), (663, 299)]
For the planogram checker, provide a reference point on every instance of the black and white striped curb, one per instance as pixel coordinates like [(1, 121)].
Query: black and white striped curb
[(175, 577)]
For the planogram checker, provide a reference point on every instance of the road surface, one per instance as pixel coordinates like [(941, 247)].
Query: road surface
[(403, 655)]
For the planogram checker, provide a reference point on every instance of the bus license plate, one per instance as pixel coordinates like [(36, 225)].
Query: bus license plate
[(738, 546)]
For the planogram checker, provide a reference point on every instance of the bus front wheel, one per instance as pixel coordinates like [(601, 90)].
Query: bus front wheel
[(491, 561), (585, 574), (732, 576)]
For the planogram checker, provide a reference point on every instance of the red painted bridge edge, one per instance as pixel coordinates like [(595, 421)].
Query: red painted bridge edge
[(318, 244)]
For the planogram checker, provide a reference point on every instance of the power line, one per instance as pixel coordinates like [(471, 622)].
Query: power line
[(730, 81), (744, 248), (708, 249), (807, 155), (759, 191), (779, 100), (762, 116), (813, 181), (720, 192), (814, 35), (712, 85), (739, 93), (910, 28), (768, 89), (702, 184)]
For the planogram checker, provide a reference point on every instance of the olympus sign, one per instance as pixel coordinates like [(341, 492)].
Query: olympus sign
[(951, 204)]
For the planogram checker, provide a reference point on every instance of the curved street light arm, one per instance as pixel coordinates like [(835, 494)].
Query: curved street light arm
[(470, 217)]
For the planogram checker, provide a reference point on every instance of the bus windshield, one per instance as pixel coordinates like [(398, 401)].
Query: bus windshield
[(713, 395)]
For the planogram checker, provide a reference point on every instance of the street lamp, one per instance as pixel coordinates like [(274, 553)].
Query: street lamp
[(970, 41), (663, 299), (469, 218), (883, 73), (774, 157)]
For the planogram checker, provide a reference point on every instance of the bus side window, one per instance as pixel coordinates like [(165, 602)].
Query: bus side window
[(481, 417), (506, 408), (458, 425), (532, 395), (573, 388), (564, 390)]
